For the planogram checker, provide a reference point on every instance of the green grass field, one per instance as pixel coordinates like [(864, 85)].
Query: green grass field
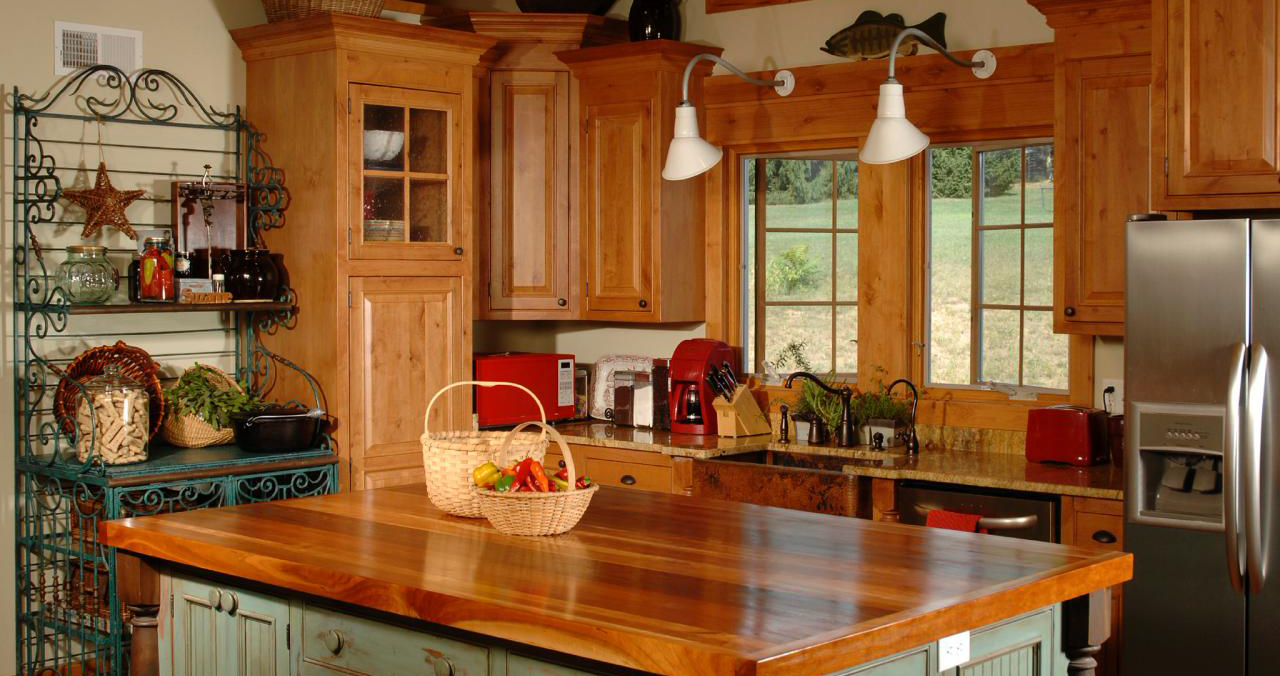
[(951, 239)]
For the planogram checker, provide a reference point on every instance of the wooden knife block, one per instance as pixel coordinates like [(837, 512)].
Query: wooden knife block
[(740, 417)]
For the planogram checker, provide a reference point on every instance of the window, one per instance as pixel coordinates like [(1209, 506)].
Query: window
[(800, 301), (990, 274)]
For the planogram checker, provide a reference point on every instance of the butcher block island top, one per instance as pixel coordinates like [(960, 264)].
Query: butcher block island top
[(657, 582)]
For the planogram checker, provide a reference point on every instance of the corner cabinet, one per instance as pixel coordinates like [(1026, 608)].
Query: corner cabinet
[(1215, 134), (1101, 173), (374, 120), (642, 246), (218, 629)]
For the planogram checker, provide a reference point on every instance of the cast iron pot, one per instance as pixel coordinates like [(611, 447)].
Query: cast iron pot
[(278, 429)]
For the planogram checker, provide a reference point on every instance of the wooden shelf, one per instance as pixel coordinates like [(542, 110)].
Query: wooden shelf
[(141, 308)]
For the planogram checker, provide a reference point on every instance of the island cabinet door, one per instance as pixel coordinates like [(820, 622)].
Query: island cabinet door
[(409, 339), (219, 630)]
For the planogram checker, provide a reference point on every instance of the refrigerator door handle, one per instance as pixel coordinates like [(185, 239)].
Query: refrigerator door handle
[(1231, 468), (1255, 404)]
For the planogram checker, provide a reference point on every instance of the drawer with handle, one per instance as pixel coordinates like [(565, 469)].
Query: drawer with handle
[(629, 475), (356, 645), (1102, 531)]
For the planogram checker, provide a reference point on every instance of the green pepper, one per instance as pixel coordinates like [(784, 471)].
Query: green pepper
[(504, 484)]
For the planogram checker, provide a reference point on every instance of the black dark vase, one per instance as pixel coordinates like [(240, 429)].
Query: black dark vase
[(251, 275), (654, 20)]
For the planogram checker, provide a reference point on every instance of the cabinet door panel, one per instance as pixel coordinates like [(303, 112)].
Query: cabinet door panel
[(1221, 96), (409, 340), (529, 240), (408, 183), (619, 191), (258, 634), (1102, 177), (195, 630)]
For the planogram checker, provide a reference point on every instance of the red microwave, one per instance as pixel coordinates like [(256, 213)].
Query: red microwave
[(548, 376)]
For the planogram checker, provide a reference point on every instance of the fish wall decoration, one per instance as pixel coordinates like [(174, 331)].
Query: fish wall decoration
[(871, 36)]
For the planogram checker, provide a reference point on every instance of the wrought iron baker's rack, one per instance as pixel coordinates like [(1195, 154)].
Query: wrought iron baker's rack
[(69, 618)]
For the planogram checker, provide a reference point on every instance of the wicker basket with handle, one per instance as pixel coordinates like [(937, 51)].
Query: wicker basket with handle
[(187, 430), (283, 10), (536, 513), (449, 457)]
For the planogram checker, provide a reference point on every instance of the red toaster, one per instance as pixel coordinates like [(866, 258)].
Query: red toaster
[(1074, 435)]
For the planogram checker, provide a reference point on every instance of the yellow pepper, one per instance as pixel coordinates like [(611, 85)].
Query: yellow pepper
[(486, 474)]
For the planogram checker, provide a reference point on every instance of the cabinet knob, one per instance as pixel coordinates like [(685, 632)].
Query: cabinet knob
[(229, 602), (458, 251), (443, 667), (215, 598), (1069, 311), (1105, 537), (333, 641), (644, 303), (562, 302), (628, 480)]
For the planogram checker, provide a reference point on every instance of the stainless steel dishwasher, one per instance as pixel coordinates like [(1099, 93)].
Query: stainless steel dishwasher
[(1028, 516)]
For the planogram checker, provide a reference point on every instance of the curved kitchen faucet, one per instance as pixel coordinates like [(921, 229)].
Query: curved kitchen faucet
[(913, 443), (846, 433)]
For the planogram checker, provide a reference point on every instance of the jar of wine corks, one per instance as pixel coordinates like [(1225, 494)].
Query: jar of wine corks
[(112, 420)]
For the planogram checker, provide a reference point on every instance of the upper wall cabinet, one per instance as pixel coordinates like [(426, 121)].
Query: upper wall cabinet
[(1101, 174), (527, 140), (642, 252), (1214, 104)]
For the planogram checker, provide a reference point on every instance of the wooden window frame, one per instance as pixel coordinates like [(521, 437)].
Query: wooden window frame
[(760, 302)]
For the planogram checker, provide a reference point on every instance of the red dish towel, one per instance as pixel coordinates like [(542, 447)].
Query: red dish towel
[(941, 518)]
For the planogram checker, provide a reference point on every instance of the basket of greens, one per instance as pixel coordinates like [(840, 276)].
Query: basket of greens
[(201, 404)]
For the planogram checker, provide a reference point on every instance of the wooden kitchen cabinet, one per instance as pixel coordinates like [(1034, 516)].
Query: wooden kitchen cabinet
[(219, 629), (407, 338), (1101, 171), (642, 253), (380, 258), (1098, 523), (1214, 104), (625, 468)]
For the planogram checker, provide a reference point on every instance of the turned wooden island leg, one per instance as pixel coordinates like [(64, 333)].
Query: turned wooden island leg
[(884, 500), (1086, 625), (138, 587)]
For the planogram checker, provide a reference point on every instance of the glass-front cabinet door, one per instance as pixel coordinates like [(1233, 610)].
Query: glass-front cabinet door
[(406, 174)]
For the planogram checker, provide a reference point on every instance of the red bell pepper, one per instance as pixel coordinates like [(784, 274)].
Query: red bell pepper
[(522, 471)]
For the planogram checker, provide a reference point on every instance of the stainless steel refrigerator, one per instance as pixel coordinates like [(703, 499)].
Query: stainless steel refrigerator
[(1202, 405)]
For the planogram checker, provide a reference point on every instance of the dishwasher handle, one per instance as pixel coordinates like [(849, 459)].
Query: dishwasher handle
[(993, 523)]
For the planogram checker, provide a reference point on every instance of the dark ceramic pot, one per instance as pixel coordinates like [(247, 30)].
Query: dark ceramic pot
[(251, 275), (654, 20)]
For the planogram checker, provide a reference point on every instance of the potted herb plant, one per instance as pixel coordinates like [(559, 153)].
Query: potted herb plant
[(879, 413), (201, 404), (819, 408)]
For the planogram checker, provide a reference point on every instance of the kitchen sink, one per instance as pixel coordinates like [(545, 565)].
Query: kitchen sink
[(821, 461)]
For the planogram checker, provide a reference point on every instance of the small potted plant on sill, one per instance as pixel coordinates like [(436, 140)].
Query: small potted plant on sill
[(819, 408), (879, 413)]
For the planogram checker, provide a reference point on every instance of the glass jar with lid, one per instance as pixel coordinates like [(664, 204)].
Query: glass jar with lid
[(112, 419), (156, 270), (86, 276)]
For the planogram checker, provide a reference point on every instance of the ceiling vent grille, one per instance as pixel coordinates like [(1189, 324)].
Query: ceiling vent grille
[(77, 46)]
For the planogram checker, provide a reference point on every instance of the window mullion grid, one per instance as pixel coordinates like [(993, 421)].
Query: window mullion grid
[(761, 281), (835, 260), (1022, 265), (975, 274)]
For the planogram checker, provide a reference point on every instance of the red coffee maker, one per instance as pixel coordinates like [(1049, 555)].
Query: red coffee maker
[(691, 411)]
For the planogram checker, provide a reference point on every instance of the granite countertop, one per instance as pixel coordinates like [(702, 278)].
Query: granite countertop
[(1004, 470)]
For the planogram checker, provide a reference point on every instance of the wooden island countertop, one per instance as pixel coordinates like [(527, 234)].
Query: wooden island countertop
[(657, 582)]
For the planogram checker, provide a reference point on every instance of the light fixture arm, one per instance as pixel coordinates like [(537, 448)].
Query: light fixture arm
[(923, 37), (778, 84)]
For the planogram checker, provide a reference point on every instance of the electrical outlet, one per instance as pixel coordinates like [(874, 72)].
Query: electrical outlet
[(953, 650), (1116, 398)]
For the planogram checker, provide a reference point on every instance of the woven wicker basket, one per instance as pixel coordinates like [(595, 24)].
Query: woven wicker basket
[(283, 10), (134, 363), (189, 431), (448, 458), (537, 513)]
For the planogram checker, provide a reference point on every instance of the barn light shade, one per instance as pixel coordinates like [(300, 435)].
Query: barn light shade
[(689, 154), (892, 137)]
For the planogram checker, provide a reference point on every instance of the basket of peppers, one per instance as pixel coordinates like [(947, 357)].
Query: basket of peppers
[(524, 500)]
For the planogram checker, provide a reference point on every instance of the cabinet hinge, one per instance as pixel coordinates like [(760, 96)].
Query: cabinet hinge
[(1166, 166), (348, 105), (348, 235), (288, 638), (171, 605), (348, 299)]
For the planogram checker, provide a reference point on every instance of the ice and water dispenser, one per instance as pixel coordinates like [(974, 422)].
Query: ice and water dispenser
[(1177, 474)]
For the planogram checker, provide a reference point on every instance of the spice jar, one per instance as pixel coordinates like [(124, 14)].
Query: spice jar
[(86, 276), (112, 420), (155, 274)]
